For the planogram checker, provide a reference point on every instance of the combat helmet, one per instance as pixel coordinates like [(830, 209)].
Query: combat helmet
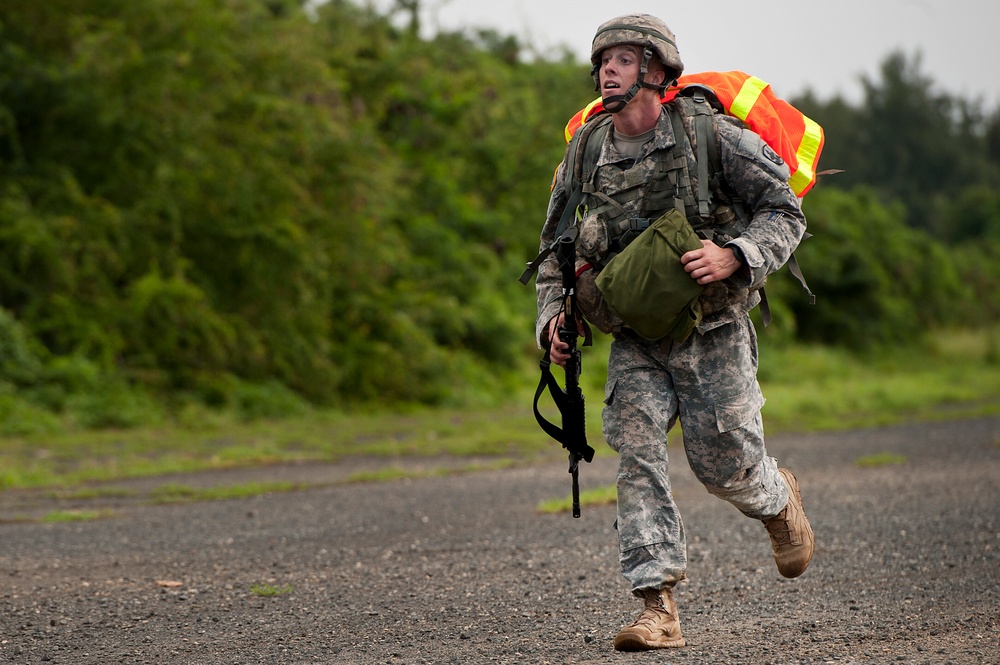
[(648, 33)]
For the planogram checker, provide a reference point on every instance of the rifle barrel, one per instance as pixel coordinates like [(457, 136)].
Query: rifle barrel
[(574, 468)]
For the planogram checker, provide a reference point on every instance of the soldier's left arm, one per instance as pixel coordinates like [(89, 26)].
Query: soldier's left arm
[(759, 177)]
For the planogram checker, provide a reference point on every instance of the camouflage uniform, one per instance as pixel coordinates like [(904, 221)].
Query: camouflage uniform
[(709, 380)]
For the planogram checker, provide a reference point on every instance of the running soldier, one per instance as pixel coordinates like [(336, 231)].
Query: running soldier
[(706, 380)]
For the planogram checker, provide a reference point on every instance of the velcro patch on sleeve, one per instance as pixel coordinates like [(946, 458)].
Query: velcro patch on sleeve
[(753, 147)]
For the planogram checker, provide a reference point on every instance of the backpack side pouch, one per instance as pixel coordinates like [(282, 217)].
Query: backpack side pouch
[(646, 284)]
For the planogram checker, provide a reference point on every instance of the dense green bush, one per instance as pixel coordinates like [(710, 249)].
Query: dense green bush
[(232, 204), (201, 190), (877, 280)]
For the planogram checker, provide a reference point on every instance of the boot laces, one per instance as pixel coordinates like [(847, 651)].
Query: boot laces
[(780, 528), (651, 615)]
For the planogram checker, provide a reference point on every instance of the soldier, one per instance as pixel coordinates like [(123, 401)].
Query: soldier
[(706, 380)]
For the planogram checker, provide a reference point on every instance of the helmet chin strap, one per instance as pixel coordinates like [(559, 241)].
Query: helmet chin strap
[(617, 103)]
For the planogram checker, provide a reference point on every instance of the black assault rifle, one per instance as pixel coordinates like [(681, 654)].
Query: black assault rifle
[(573, 434)]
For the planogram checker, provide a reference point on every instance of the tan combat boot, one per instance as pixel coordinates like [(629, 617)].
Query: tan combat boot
[(658, 627), (791, 536)]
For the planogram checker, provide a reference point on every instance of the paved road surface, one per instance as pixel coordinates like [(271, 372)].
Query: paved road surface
[(463, 569)]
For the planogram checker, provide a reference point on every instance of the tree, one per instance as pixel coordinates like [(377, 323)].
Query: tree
[(877, 280), (909, 141)]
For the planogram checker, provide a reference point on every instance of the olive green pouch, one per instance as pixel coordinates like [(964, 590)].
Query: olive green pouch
[(646, 284)]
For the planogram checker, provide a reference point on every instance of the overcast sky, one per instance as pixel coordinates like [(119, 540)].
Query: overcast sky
[(825, 45)]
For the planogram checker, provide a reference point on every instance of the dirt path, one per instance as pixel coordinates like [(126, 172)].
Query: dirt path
[(462, 569)]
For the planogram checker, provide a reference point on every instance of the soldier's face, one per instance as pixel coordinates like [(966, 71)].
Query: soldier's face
[(619, 69)]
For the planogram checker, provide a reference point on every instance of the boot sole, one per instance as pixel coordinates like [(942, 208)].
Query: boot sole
[(636, 643)]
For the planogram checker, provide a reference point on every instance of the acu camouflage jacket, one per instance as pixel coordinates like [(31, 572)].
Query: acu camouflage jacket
[(755, 177)]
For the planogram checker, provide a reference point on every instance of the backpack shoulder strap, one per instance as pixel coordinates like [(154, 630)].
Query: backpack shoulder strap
[(705, 140), (581, 161), (581, 154)]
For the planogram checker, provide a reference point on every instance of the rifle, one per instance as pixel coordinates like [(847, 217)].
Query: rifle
[(573, 434)]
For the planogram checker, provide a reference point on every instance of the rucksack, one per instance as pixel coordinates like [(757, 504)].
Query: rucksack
[(781, 126), (790, 133)]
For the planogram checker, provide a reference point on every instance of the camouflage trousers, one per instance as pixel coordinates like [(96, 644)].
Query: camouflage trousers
[(709, 383)]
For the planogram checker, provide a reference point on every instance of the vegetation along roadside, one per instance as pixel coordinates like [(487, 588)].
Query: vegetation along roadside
[(808, 389), (235, 234)]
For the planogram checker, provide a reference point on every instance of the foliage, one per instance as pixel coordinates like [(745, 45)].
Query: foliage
[(239, 206), (202, 194), (911, 141), (878, 280)]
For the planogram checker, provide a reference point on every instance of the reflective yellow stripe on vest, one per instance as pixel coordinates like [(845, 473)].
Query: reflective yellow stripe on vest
[(747, 97), (806, 154), (584, 115), (808, 148)]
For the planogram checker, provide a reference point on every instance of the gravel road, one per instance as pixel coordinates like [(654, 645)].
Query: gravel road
[(463, 569)]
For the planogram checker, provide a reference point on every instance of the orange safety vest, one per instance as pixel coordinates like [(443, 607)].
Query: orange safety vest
[(797, 138)]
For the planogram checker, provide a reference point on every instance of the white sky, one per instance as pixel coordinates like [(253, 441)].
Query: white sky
[(824, 45)]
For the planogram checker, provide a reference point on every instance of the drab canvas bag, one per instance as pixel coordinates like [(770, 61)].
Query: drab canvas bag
[(646, 284)]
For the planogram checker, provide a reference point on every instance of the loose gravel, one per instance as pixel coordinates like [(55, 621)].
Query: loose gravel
[(464, 569)]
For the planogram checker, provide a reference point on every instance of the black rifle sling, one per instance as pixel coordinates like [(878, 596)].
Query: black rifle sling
[(572, 435), (573, 441), (548, 380)]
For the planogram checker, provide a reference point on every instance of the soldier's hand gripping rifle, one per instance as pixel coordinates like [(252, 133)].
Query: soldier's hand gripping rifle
[(573, 434)]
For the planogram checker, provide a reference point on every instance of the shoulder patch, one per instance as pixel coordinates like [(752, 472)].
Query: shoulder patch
[(752, 147), (771, 155)]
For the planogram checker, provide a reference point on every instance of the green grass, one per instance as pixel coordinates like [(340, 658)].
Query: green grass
[(807, 389), (270, 590), (75, 515), (73, 458), (90, 492), (880, 459), (170, 493), (600, 496), (818, 388)]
